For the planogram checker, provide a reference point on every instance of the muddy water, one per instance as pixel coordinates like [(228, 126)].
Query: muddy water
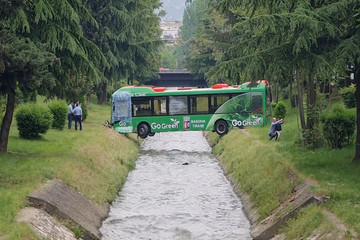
[(177, 191)]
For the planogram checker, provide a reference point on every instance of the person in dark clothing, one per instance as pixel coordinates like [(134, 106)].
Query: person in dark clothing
[(273, 128)]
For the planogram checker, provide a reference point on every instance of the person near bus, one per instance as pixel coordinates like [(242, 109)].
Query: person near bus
[(70, 114), (78, 116), (275, 125), (278, 129)]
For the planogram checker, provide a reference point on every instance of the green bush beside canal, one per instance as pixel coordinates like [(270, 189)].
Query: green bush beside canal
[(95, 161)]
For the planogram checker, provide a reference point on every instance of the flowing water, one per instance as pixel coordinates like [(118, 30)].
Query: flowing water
[(177, 191)]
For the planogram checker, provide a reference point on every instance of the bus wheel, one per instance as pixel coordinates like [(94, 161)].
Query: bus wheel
[(151, 134), (221, 127), (143, 130)]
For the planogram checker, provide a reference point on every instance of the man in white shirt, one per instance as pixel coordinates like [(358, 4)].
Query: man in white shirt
[(78, 116)]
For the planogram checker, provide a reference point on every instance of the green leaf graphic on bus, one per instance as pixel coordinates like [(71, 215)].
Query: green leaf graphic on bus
[(240, 111)]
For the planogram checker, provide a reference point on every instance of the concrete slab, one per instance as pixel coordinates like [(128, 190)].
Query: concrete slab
[(62, 201), (301, 198), (44, 225)]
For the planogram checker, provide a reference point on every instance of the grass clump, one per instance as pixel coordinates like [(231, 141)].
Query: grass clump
[(262, 172), (306, 222)]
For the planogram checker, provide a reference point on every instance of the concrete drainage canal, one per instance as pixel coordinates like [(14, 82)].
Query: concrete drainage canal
[(176, 191)]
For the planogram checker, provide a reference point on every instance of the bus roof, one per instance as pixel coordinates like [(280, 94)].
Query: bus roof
[(217, 88)]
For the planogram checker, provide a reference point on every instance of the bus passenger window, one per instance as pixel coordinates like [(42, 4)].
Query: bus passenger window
[(141, 106), (256, 103), (178, 105), (217, 100), (160, 106), (199, 104)]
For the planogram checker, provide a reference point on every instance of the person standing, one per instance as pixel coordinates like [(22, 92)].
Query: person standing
[(78, 116), (70, 114)]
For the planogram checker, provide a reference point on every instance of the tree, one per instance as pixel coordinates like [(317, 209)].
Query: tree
[(347, 52), (191, 44), (23, 66), (34, 36), (277, 39), (142, 35), (167, 58)]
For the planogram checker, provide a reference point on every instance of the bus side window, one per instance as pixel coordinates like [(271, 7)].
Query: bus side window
[(142, 106), (199, 104), (256, 103), (160, 106), (178, 105), (217, 100)]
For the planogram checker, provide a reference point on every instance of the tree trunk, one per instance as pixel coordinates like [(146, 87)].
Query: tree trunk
[(104, 92), (300, 97), (6, 123), (275, 92), (357, 97), (311, 102)]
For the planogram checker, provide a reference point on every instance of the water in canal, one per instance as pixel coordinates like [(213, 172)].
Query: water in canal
[(177, 191)]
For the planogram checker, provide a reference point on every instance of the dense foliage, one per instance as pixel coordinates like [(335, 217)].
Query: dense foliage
[(293, 44), (338, 127), (72, 48), (59, 111), (33, 120), (280, 110), (348, 97)]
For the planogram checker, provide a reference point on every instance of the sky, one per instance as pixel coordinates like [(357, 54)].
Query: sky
[(174, 9)]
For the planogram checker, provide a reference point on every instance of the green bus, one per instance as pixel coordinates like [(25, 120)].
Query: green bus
[(147, 110)]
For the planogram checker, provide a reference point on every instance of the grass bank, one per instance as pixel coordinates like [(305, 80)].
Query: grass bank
[(262, 168), (95, 161)]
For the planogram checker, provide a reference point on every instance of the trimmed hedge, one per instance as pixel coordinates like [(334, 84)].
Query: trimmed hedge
[(280, 110), (338, 127), (59, 112), (33, 120), (348, 96)]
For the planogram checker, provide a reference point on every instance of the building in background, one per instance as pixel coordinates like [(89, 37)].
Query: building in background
[(170, 31)]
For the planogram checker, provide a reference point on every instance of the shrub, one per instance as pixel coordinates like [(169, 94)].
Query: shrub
[(311, 136), (348, 96), (273, 106), (84, 110), (338, 127), (33, 121), (83, 107), (59, 112), (280, 110)]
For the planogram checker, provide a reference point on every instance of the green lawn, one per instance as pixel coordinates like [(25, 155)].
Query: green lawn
[(262, 166), (95, 161)]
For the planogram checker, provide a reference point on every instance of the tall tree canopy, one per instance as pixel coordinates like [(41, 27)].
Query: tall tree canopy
[(280, 40), (65, 48)]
